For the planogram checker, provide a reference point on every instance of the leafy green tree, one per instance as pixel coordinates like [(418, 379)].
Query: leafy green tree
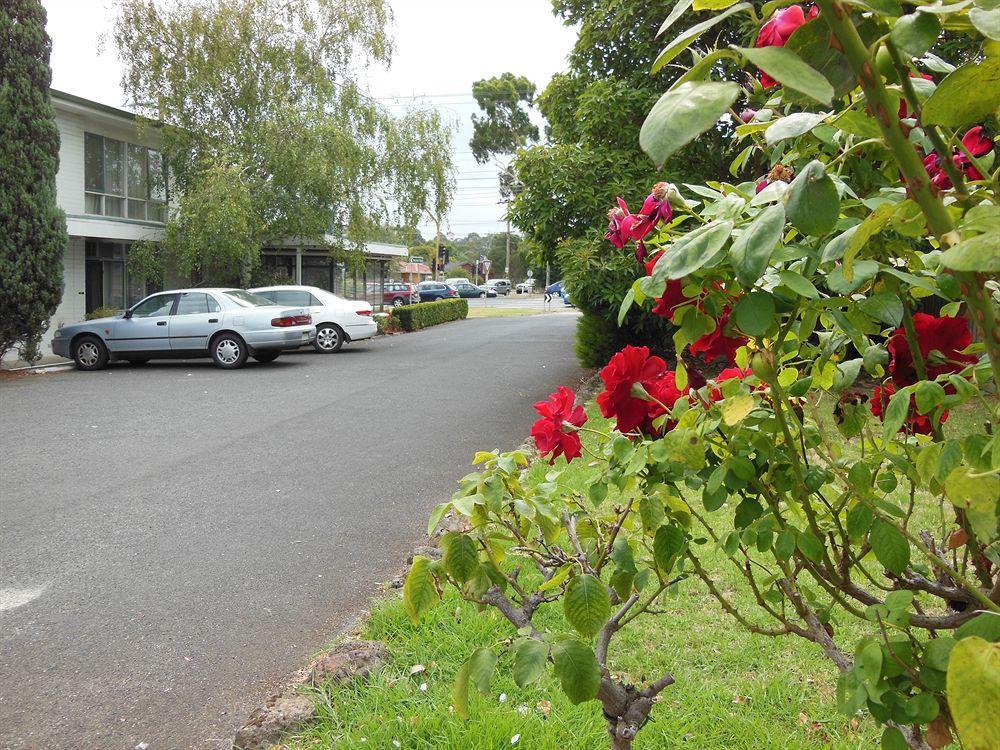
[(266, 90), (505, 125), (32, 227)]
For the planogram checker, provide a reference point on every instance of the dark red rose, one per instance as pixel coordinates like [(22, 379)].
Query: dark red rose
[(673, 297), (940, 340), (632, 366), (717, 344), (916, 423), (976, 143), (550, 432), (777, 31), (665, 394)]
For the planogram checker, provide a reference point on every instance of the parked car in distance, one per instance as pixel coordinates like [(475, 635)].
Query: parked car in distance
[(337, 320), (468, 289), (435, 290), (525, 287), (488, 291), (456, 280), (398, 293), (227, 325), (502, 286), (555, 288)]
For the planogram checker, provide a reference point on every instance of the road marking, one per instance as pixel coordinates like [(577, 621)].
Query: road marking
[(14, 598)]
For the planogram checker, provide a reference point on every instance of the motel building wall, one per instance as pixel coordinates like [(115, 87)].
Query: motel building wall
[(112, 186)]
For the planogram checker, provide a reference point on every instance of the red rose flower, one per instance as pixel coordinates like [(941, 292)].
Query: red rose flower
[(616, 233), (717, 344), (666, 393), (940, 340), (550, 433), (632, 366), (977, 145), (916, 423), (777, 31), (673, 297), (728, 374)]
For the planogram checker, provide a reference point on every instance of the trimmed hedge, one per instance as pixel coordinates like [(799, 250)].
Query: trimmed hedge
[(423, 314)]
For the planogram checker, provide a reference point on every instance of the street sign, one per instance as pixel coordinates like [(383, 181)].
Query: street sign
[(529, 273)]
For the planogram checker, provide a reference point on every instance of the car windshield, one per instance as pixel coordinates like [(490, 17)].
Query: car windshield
[(248, 299)]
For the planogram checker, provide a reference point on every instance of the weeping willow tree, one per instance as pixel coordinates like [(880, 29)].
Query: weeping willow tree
[(266, 130)]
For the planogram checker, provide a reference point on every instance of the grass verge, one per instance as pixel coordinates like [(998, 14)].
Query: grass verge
[(475, 311), (734, 690)]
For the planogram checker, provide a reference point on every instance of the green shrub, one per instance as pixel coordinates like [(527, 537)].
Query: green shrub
[(415, 317), (102, 312), (32, 226), (597, 277)]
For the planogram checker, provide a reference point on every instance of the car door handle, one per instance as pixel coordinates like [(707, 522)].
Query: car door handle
[(213, 320), (161, 322)]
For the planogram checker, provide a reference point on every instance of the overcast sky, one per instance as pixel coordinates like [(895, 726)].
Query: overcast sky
[(442, 46)]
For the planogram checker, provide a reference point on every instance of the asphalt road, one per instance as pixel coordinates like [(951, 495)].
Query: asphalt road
[(175, 539)]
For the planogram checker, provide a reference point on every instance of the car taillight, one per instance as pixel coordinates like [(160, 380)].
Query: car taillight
[(363, 312), (287, 321)]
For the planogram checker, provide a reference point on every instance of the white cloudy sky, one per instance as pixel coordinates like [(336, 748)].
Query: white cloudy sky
[(442, 46)]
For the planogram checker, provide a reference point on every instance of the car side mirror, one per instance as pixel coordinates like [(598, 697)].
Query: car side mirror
[(128, 314)]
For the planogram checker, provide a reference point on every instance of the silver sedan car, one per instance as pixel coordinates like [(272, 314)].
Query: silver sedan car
[(227, 325)]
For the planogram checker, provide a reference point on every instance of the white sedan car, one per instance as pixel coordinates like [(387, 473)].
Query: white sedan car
[(336, 319)]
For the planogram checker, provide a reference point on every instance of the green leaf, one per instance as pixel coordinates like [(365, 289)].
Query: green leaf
[(785, 544), (811, 42), (755, 314), (987, 21), (859, 521), (419, 592), (915, 33), (736, 408), (928, 395), (978, 497), (651, 513), (892, 739), (530, 656), (884, 306), (798, 284), (813, 203), (869, 663), (693, 250), (676, 12), (626, 304), (460, 691), (974, 692), (587, 605), (577, 670), (980, 253), (751, 251), (481, 665), (985, 625), (436, 515), (460, 557), (937, 652), (889, 545), (684, 39), (895, 414), (682, 114), (810, 546), (667, 545), (557, 579), (790, 70), (793, 126), (965, 96)]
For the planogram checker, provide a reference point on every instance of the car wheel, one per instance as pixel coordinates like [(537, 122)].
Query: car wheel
[(268, 356), (329, 338), (89, 353), (482, 295), (398, 302), (229, 351)]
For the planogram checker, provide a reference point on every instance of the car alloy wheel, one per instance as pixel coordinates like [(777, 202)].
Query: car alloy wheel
[(228, 351), (88, 354), (328, 338), (398, 302)]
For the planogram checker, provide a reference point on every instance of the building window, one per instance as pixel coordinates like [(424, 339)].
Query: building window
[(123, 179), (108, 282)]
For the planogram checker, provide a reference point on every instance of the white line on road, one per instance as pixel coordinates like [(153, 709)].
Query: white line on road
[(14, 598)]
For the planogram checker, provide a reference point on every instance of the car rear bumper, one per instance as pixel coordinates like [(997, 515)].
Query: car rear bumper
[(361, 331)]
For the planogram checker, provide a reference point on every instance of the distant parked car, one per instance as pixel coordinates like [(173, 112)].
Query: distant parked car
[(227, 325), (398, 293), (502, 286), (555, 289), (456, 280), (488, 291), (525, 287), (467, 289), (336, 319), (435, 290)]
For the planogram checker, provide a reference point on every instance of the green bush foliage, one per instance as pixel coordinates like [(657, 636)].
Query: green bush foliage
[(415, 317), (102, 312), (598, 281), (32, 228)]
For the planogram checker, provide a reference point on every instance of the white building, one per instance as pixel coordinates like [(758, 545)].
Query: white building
[(111, 184)]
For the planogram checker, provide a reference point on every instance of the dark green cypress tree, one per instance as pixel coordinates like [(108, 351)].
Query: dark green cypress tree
[(32, 227)]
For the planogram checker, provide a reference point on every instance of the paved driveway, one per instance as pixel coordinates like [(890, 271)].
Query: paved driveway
[(174, 538)]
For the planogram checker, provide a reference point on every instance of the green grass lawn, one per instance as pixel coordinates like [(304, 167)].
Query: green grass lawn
[(475, 311), (734, 690)]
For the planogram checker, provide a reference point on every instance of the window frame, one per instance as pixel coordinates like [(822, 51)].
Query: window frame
[(127, 200)]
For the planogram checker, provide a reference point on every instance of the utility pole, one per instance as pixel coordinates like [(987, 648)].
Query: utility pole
[(506, 264), (437, 245)]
